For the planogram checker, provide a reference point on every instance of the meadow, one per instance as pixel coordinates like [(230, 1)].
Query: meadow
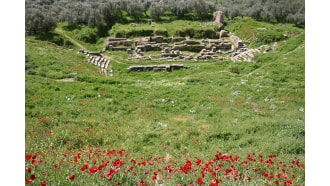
[(202, 125)]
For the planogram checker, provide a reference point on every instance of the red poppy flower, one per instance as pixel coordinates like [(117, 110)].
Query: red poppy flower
[(277, 182), (32, 177), (248, 178), (28, 157), (93, 169), (289, 181), (28, 181), (146, 172), (200, 182), (84, 167), (109, 178), (72, 177), (43, 183)]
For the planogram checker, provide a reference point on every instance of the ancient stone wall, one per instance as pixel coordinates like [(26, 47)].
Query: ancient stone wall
[(168, 68)]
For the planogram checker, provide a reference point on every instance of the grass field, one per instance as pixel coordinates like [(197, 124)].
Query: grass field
[(194, 126)]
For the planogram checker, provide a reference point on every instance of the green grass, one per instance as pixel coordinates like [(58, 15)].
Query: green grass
[(85, 35), (127, 30), (251, 31), (260, 110)]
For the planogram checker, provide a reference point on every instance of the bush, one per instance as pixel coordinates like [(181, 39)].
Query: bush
[(68, 43)]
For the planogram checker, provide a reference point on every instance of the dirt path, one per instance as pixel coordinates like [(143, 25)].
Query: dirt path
[(72, 40), (82, 47)]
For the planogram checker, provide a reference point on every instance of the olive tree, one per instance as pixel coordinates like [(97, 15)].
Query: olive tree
[(202, 8), (157, 9)]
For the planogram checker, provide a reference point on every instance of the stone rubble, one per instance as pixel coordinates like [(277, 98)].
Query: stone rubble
[(96, 59)]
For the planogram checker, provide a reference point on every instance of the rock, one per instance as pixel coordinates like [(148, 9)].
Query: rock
[(214, 49), (223, 33), (218, 18)]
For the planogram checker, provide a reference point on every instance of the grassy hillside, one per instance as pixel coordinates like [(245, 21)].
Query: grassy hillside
[(202, 124)]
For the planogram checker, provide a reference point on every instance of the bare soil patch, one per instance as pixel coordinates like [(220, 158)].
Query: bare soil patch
[(67, 79), (180, 118)]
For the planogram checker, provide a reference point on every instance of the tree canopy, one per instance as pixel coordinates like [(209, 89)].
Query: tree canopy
[(44, 14)]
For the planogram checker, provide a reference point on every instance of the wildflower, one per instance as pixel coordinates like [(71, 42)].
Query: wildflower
[(93, 169), (109, 178), (28, 157), (43, 183), (200, 182), (32, 177), (28, 181), (277, 182), (84, 167), (285, 176), (72, 177), (279, 175), (146, 172)]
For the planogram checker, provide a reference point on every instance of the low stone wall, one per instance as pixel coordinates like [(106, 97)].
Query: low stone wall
[(149, 47), (116, 42), (167, 68), (193, 48)]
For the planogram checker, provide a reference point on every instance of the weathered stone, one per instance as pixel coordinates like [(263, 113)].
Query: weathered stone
[(218, 18), (191, 42), (168, 68), (138, 51), (120, 48), (188, 47), (141, 41), (129, 51), (95, 53), (178, 39), (214, 49), (166, 50), (157, 39), (223, 33), (107, 63)]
